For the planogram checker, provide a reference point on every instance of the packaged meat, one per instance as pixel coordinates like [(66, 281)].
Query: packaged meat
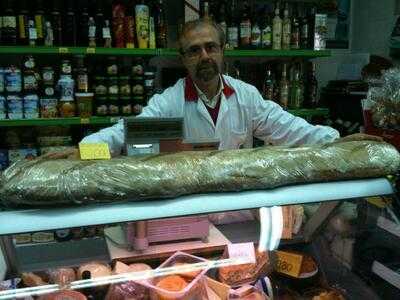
[(175, 287), (62, 182), (64, 295), (247, 292), (62, 276), (96, 269), (31, 280)]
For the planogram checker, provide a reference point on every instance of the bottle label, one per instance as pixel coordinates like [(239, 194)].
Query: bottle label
[(266, 37), (22, 26), (92, 31), (30, 82), (106, 33), (49, 91), (13, 82), (9, 21), (83, 82), (245, 30), (277, 36), (48, 76), (256, 38), (31, 107), (233, 37), (32, 34), (286, 35)]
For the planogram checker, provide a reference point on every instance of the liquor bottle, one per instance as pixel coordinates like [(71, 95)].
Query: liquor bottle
[(232, 30), (222, 17), (48, 34), (129, 28), (277, 30), (9, 24), (23, 20), (32, 33), (161, 25), (286, 28), (284, 89), (39, 22), (106, 35), (142, 12), (311, 91), (266, 30), (91, 32), (56, 22), (70, 25), (305, 30), (296, 92), (295, 35), (268, 86), (99, 19), (255, 35), (83, 24), (245, 26), (311, 27), (152, 32)]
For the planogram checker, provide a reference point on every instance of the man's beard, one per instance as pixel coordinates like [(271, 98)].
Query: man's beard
[(207, 70)]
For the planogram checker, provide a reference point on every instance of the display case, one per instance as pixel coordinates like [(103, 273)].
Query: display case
[(324, 241)]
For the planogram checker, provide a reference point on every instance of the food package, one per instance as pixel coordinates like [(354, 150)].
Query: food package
[(62, 276), (61, 182), (129, 289), (385, 101), (94, 269), (184, 285), (247, 292), (237, 275), (64, 295)]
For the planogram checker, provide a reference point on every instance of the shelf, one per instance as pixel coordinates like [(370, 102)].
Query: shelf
[(156, 52), (50, 219), (305, 113)]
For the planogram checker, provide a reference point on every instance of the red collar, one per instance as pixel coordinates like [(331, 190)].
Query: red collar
[(191, 93)]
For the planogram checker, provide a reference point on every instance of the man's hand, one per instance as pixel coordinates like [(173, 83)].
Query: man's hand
[(359, 137), (72, 153)]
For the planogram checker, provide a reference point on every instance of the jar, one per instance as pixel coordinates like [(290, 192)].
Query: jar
[(67, 109), (15, 106), (31, 81), (112, 66), (113, 87), (101, 106), (31, 106), (100, 85), (66, 67), (29, 63), (113, 106), (13, 80), (48, 108), (66, 85), (124, 86), (137, 86), (126, 106), (149, 78), (48, 75), (138, 104), (85, 104), (137, 68)]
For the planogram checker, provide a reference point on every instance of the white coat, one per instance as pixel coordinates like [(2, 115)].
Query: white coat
[(243, 114)]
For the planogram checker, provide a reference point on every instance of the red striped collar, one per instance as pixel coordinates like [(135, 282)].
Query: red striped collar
[(191, 93)]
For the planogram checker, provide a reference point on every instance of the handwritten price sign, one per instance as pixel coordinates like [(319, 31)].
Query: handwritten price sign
[(94, 151), (289, 263), (243, 251)]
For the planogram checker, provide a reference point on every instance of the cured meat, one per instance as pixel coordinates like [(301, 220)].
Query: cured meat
[(65, 182)]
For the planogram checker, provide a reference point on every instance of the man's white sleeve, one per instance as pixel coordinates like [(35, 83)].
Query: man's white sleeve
[(278, 127), (114, 135)]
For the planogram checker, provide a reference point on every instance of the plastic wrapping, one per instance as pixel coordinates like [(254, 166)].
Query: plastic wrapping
[(63, 182), (386, 101)]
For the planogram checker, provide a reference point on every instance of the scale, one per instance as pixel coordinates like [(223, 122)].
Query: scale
[(161, 135)]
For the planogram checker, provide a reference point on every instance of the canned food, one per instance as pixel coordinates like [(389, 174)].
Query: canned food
[(3, 108), (14, 107), (31, 106), (13, 80), (48, 108)]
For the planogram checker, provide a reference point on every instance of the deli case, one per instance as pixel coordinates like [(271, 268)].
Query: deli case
[(343, 247)]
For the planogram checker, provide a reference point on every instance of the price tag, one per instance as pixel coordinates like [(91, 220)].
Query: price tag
[(85, 121), (90, 50), (289, 263), (94, 151), (63, 50), (242, 251)]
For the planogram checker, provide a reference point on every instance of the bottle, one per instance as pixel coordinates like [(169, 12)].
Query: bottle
[(232, 29), (56, 22), (277, 30), (206, 12), (48, 34), (152, 33), (296, 92), (311, 91), (161, 25), (284, 89), (268, 86), (245, 26), (295, 35), (99, 19), (9, 25), (91, 32), (83, 25), (32, 33), (23, 23), (286, 28), (266, 30), (255, 36), (70, 28), (304, 31), (106, 34), (81, 75), (311, 27), (142, 24), (129, 28), (39, 22)]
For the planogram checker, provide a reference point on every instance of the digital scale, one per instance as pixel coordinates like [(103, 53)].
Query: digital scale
[(161, 135)]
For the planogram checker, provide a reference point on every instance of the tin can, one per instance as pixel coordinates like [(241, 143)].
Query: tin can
[(13, 80), (48, 107), (31, 106), (14, 107), (3, 108)]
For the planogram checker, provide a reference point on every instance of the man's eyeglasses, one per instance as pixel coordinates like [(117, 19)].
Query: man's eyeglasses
[(195, 51)]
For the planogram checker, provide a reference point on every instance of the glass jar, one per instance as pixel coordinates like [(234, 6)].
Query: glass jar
[(67, 109), (13, 80), (48, 75), (113, 87), (124, 86), (126, 106), (113, 105), (100, 85), (101, 106), (66, 68), (112, 66), (138, 86)]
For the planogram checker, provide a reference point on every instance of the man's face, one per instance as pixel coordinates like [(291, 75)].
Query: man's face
[(202, 53)]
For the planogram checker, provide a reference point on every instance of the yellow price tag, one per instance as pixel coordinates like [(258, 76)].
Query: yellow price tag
[(63, 50), (90, 50), (289, 263), (94, 151), (85, 121)]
